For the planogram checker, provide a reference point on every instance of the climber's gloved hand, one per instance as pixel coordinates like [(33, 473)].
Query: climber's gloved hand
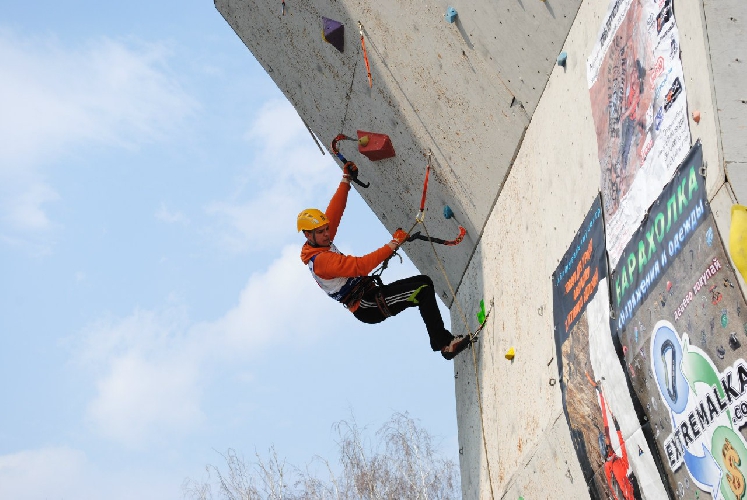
[(399, 237), (349, 171)]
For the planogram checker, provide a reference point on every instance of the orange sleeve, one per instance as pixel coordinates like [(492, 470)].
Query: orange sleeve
[(336, 208), (328, 265)]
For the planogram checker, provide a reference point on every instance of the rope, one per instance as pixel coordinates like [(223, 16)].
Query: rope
[(474, 358), (316, 141), (420, 219)]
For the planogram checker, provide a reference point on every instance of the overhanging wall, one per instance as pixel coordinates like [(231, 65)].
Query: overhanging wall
[(464, 91)]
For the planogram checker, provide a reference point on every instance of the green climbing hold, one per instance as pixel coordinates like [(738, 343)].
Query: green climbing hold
[(724, 319), (481, 312)]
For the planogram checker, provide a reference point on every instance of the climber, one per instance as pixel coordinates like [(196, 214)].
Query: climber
[(345, 278), (620, 477)]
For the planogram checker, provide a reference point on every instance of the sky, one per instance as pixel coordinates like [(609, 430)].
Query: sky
[(154, 311)]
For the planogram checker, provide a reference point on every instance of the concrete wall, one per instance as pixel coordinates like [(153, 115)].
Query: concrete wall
[(515, 156)]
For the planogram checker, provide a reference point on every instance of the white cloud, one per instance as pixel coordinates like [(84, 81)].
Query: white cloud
[(44, 473), (171, 217), (56, 99), (287, 174), (24, 208), (152, 368), (63, 472)]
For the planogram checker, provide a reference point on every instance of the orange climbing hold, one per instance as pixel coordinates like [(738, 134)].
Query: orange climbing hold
[(378, 147)]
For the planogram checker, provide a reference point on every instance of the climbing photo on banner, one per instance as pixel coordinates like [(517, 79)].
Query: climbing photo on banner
[(636, 86), (605, 430), (678, 314)]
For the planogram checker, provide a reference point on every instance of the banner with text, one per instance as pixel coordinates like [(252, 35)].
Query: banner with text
[(639, 107), (678, 316)]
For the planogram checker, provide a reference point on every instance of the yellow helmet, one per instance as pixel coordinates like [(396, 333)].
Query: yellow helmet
[(310, 219)]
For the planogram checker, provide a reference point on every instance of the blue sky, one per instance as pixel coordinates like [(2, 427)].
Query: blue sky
[(153, 308)]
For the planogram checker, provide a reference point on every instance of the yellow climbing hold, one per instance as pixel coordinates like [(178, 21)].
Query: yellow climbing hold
[(510, 354), (363, 141), (738, 238)]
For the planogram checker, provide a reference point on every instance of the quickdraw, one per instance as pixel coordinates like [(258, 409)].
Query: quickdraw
[(365, 56), (352, 168), (420, 217)]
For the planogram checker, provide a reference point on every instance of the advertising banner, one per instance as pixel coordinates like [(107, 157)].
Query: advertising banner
[(639, 107), (678, 315), (605, 429)]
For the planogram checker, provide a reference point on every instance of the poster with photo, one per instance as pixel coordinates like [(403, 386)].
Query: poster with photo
[(605, 428), (638, 102)]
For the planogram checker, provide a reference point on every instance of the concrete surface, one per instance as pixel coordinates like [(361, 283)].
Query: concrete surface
[(514, 155), (726, 22)]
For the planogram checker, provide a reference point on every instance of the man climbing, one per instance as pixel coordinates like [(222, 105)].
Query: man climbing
[(620, 478), (345, 278)]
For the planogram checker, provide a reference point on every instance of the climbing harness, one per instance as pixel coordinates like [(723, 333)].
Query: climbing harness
[(365, 285), (352, 168), (365, 56)]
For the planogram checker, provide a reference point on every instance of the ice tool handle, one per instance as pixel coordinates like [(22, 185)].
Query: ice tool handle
[(352, 168)]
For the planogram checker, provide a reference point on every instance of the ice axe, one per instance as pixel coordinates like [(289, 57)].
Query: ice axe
[(352, 167)]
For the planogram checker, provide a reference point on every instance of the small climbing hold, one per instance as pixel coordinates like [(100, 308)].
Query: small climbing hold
[(333, 32), (451, 15), (378, 147), (562, 58), (510, 354), (696, 116), (481, 313), (363, 141), (734, 341), (738, 238), (640, 451), (669, 285), (720, 352), (448, 212)]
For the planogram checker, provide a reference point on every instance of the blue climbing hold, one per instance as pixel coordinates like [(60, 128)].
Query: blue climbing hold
[(562, 58), (448, 212), (451, 15)]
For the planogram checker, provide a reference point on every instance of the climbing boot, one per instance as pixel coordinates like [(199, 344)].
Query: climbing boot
[(456, 346)]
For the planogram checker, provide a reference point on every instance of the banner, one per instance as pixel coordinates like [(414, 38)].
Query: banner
[(678, 315), (605, 429), (639, 107)]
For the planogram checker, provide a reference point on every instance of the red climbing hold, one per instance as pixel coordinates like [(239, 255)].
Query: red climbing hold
[(333, 32), (379, 146)]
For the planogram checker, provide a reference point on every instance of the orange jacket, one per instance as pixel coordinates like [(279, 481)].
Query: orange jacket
[(329, 264)]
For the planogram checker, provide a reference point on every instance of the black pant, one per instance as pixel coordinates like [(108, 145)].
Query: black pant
[(398, 296)]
